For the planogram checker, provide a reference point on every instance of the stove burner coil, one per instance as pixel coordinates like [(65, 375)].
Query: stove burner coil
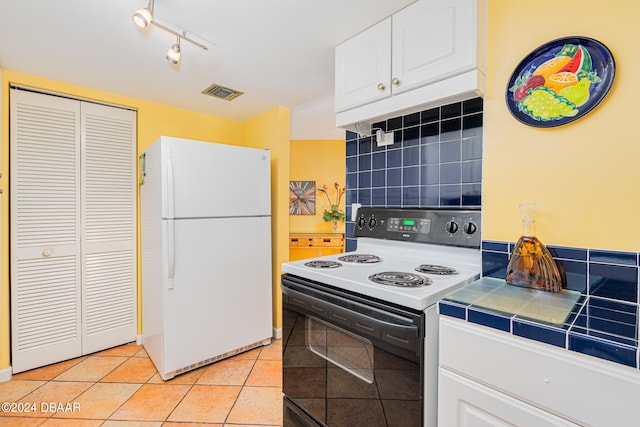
[(400, 279), (436, 269), (360, 258), (323, 264)]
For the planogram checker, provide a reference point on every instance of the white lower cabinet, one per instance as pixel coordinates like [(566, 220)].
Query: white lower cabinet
[(492, 378), (465, 403)]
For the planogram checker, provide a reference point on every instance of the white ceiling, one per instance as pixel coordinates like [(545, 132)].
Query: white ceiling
[(279, 52)]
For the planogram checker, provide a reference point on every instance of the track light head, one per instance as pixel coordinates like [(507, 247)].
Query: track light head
[(143, 17), (173, 55)]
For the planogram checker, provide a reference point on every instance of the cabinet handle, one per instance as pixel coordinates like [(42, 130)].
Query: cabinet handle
[(381, 87), (47, 252), (395, 81)]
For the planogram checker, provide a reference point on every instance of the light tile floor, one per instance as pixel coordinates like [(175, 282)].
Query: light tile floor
[(121, 387)]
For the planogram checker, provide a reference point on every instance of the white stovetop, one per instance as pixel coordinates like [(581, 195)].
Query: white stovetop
[(396, 256)]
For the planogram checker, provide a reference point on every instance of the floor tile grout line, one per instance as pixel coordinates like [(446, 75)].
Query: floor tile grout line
[(101, 382), (109, 418), (88, 388), (120, 406), (32, 391), (179, 402), (235, 401), (53, 380), (45, 382)]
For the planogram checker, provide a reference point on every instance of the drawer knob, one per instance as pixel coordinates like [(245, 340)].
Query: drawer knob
[(395, 81), (381, 87)]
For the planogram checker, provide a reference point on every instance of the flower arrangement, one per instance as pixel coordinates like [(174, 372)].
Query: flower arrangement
[(334, 213)]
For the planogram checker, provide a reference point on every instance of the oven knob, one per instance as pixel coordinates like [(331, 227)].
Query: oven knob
[(451, 227), (470, 228), (372, 223), (362, 222)]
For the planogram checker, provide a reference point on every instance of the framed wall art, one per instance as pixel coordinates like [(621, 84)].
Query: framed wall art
[(302, 197)]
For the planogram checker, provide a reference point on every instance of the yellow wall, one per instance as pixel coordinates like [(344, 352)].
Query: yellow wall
[(269, 130), (584, 175), (322, 162)]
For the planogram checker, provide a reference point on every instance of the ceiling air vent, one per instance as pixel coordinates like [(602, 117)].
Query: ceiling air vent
[(222, 92)]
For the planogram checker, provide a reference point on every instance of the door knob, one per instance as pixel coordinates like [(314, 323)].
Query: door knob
[(395, 81), (381, 87)]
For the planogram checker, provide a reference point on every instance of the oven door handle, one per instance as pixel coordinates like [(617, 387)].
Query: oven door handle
[(401, 335)]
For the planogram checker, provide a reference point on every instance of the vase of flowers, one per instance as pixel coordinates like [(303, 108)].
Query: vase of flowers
[(334, 214)]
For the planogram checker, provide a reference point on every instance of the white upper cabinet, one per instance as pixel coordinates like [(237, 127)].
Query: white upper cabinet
[(432, 40), (363, 67), (428, 53)]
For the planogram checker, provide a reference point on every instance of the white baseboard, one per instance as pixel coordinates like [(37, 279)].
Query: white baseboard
[(5, 374), (277, 333), (139, 339)]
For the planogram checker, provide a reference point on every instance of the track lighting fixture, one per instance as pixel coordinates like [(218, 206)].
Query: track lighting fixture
[(173, 55), (145, 17)]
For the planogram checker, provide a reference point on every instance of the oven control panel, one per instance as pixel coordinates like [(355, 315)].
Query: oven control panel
[(409, 225), (455, 227)]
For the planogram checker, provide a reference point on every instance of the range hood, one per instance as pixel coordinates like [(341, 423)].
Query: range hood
[(453, 89)]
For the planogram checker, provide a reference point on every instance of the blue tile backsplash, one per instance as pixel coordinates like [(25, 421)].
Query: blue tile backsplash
[(435, 161)]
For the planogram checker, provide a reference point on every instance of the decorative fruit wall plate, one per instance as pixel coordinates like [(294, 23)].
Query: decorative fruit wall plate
[(560, 81)]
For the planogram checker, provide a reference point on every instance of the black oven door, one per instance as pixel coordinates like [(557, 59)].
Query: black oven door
[(348, 361)]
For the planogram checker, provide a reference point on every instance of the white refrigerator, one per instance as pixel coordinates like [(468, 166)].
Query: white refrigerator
[(206, 252)]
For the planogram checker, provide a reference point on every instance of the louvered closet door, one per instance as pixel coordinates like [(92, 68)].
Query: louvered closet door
[(45, 229), (109, 227), (73, 228)]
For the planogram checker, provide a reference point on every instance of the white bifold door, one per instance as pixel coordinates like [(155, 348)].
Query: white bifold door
[(73, 228)]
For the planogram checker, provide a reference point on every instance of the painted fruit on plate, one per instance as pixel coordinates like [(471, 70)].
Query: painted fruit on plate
[(556, 87)]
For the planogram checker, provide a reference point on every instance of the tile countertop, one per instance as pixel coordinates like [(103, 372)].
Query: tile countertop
[(595, 326)]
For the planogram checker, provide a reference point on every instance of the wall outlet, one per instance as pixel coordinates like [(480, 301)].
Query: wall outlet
[(354, 210), (384, 138)]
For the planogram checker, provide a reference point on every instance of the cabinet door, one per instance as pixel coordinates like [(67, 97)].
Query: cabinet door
[(433, 40), (464, 403), (363, 67)]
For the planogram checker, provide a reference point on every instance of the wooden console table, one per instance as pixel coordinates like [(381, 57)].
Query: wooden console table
[(311, 245)]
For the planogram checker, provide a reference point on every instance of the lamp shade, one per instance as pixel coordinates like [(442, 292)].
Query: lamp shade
[(142, 18), (173, 55)]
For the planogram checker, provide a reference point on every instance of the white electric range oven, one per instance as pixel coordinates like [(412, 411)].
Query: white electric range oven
[(360, 334)]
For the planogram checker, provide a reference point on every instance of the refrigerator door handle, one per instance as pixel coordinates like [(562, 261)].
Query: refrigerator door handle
[(170, 212), (171, 253), (170, 199)]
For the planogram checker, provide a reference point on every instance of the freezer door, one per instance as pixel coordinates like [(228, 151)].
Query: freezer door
[(220, 298), (205, 179)]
